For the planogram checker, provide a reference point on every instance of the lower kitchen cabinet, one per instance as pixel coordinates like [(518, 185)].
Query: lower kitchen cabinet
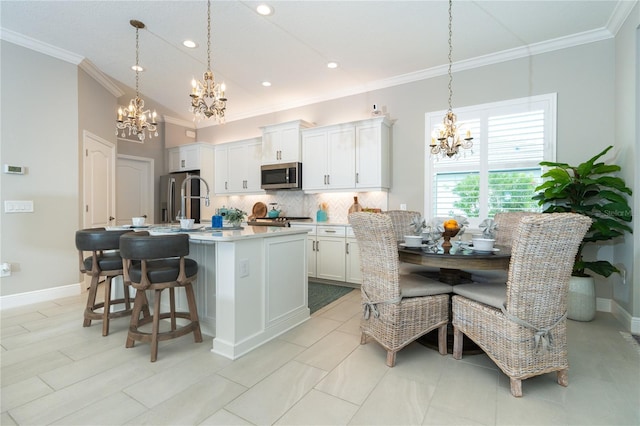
[(333, 253)]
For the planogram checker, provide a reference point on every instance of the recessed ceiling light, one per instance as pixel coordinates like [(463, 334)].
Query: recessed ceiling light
[(137, 68), (266, 83), (190, 44), (264, 10), (332, 65)]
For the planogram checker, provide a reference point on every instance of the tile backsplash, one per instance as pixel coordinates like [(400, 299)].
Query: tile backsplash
[(297, 203)]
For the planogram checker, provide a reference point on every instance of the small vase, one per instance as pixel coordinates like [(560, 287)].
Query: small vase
[(447, 235), (355, 207)]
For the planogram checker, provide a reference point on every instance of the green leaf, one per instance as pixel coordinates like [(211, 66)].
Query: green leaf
[(601, 267)]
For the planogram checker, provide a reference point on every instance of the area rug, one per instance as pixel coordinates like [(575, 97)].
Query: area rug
[(321, 295), (633, 339)]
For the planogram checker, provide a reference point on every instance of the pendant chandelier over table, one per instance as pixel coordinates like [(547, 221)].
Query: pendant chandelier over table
[(135, 118), (208, 98), (446, 140)]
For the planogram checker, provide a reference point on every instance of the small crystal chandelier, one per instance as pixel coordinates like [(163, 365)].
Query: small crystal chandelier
[(208, 88), (134, 117), (447, 135)]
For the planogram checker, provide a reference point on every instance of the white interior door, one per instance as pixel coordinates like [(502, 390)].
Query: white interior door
[(98, 181), (134, 189)]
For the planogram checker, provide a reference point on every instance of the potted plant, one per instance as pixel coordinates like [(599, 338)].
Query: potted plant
[(235, 216), (591, 190)]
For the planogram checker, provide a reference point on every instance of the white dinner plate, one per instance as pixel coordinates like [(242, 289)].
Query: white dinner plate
[(494, 250), (406, 246)]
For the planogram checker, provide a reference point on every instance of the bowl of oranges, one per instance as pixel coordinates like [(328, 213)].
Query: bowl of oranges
[(451, 228)]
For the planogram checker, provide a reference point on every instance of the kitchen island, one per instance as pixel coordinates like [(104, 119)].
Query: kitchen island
[(252, 284)]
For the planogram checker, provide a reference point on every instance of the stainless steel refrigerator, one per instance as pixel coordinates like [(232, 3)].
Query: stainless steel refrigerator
[(170, 200)]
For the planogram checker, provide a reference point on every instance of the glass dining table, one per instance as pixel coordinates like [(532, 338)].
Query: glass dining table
[(452, 265)]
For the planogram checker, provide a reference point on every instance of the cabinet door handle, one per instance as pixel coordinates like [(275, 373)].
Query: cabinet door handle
[(328, 179), (317, 245), (225, 185), (357, 177), (182, 163), (330, 231), (313, 246), (347, 248)]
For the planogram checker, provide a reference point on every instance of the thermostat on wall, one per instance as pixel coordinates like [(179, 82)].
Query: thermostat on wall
[(15, 170)]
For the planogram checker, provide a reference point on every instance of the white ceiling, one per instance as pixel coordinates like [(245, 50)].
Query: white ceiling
[(376, 43)]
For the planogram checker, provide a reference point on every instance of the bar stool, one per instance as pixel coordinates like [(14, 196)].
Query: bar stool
[(105, 261), (158, 263)]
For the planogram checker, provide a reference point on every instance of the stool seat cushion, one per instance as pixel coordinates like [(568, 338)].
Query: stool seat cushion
[(413, 285), (492, 294), (163, 270), (108, 261)]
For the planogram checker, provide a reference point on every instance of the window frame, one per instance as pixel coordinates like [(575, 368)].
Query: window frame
[(546, 102)]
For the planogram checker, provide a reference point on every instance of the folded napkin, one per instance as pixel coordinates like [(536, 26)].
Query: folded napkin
[(489, 228), (417, 224)]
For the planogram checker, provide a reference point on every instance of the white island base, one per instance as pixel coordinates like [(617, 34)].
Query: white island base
[(251, 287)]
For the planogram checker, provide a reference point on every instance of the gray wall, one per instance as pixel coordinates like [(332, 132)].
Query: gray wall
[(43, 136)]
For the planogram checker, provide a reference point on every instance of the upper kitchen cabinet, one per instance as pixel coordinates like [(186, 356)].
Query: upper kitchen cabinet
[(373, 146), (189, 157), (347, 156), (281, 142), (237, 167), (328, 158)]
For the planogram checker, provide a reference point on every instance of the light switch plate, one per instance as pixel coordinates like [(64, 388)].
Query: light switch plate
[(18, 206)]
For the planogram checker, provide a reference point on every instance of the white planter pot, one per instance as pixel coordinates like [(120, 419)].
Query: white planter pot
[(582, 299)]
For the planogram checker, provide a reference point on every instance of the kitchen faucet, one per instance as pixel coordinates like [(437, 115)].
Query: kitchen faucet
[(183, 195)]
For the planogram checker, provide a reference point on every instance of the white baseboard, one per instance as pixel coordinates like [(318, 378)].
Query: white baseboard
[(37, 296)]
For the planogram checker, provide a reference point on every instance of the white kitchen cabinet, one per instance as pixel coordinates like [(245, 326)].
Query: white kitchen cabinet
[(330, 252), (311, 248), (237, 168), (328, 157), (281, 142), (352, 252), (348, 156), (372, 154), (184, 158)]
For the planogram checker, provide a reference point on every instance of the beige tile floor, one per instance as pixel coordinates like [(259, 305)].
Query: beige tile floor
[(54, 371)]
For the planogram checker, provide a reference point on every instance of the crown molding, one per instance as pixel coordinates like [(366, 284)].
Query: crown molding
[(39, 46), (179, 122), (95, 73), (619, 15)]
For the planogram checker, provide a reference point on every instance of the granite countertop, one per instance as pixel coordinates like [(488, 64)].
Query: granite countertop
[(204, 233)]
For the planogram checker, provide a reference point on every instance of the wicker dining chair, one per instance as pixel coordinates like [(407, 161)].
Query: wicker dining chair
[(526, 334), (506, 224), (397, 309), (401, 221)]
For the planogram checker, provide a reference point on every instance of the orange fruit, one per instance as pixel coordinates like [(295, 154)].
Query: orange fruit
[(450, 224)]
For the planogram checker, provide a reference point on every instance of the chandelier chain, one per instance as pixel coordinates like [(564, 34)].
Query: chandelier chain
[(447, 139), (450, 56), (137, 61), (209, 35)]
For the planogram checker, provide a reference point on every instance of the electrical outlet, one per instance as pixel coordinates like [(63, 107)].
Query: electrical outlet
[(244, 267)]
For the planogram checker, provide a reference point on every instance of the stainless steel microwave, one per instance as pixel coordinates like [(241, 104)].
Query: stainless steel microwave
[(281, 176)]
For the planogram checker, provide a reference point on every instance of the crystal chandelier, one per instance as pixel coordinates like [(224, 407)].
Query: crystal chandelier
[(208, 89), (446, 140), (134, 117)]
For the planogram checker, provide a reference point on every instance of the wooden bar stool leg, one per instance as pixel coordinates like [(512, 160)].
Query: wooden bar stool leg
[(139, 302), (127, 299), (156, 326), (91, 300), (107, 306), (172, 307), (193, 312)]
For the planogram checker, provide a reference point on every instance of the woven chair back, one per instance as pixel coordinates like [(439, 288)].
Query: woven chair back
[(542, 256), (378, 254), (507, 222), (401, 221)]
